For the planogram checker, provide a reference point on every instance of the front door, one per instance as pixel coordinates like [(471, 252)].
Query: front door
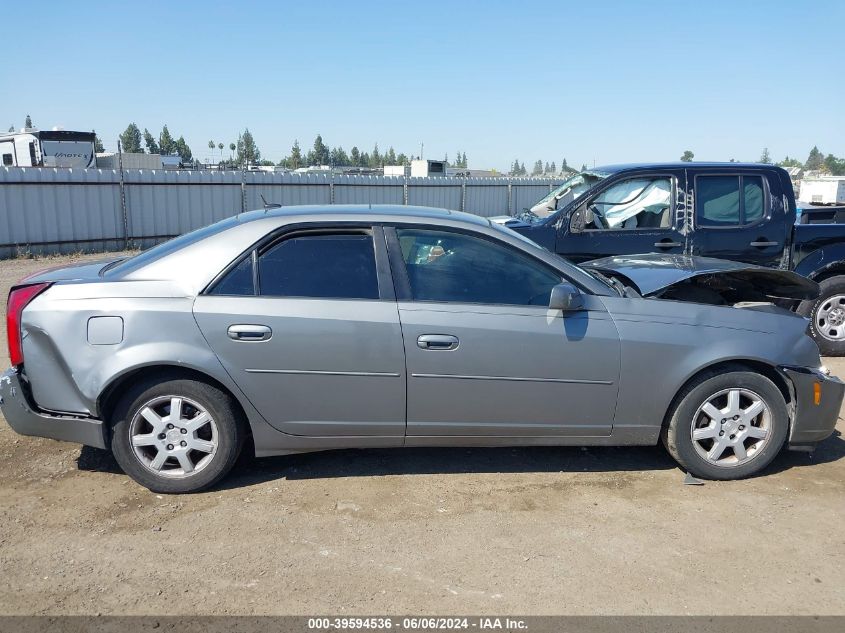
[(633, 215), (312, 335), (485, 356)]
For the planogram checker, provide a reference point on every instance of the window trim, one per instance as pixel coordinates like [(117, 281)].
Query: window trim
[(400, 271), (673, 179), (767, 205), (385, 282)]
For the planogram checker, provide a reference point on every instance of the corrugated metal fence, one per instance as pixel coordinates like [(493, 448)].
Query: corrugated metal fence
[(68, 210)]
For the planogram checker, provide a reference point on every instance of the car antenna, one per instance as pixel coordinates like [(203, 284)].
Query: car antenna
[(269, 205)]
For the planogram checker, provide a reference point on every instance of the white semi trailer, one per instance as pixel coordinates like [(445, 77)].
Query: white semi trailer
[(47, 148)]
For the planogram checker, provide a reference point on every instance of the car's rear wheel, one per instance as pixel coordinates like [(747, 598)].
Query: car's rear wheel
[(728, 425), (176, 436), (827, 316)]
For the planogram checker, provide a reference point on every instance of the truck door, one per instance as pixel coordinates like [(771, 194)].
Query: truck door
[(739, 216), (633, 214)]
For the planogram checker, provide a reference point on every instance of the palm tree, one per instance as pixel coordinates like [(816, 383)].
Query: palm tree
[(220, 147), (211, 146), (232, 148)]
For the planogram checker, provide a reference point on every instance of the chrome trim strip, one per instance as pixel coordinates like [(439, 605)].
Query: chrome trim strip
[(515, 379), (318, 372)]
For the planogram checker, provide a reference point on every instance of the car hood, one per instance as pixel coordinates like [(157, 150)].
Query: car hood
[(652, 274)]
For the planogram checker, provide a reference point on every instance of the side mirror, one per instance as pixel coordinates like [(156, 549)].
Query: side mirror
[(566, 297)]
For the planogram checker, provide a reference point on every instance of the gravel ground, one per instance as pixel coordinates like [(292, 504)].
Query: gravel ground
[(530, 531)]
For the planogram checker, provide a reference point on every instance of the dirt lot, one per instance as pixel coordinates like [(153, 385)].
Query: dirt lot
[(529, 531)]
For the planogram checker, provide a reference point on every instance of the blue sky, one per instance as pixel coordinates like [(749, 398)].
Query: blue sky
[(590, 81)]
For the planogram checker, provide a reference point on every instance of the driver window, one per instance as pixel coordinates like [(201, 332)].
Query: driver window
[(454, 267), (638, 203)]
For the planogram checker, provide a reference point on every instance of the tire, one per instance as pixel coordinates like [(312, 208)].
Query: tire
[(832, 342), (193, 454), (726, 441)]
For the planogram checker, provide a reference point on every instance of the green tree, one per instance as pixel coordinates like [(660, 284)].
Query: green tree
[(538, 168), (815, 160), (211, 146), (402, 160), (181, 148), (130, 140), (765, 158), (554, 168), (834, 166), (232, 148), (166, 144), (150, 142), (295, 156), (319, 154), (28, 123), (11, 128), (248, 153), (390, 157), (584, 167), (563, 166), (687, 157), (220, 147), (98, 144), (338, 158), (355, 156), (375, 158), (790, 162)]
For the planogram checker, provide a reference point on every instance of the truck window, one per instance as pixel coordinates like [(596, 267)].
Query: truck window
[(724, 201), (636, 203), (7, 160)]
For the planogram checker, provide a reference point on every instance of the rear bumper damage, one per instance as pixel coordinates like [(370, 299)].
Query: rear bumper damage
[(26, 420), (813, 420)]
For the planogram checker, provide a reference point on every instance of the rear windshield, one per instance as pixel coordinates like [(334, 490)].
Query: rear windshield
[(166, 248)]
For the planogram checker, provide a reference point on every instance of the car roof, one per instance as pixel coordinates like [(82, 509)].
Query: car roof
[(612, 169), (369, 212)]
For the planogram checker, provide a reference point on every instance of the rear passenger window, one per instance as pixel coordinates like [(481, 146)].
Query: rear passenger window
[(336, 266), (237, 281), (729, 200)]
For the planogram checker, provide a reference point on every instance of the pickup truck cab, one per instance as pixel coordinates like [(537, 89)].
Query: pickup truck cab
[(736, 211)]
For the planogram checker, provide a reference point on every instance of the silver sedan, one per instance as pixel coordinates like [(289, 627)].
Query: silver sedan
[(322, 328)]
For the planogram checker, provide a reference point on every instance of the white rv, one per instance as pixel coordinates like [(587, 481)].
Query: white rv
[(47, 148), (823, 190)]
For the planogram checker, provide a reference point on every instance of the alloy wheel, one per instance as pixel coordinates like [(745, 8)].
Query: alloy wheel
[(731, 427), (173, 436)]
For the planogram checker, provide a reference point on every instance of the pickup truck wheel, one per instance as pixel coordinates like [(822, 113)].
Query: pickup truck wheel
[(176, 436), (727, 425), (827, 316)]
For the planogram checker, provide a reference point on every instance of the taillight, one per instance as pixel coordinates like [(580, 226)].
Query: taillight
[(19, 298)]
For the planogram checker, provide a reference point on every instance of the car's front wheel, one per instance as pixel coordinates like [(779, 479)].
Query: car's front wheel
[(176, 436), (727, 425)]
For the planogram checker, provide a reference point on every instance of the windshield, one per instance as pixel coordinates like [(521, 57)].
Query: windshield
[(571, 189)]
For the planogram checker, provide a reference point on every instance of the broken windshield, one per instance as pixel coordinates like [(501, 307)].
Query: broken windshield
[(561, 196)]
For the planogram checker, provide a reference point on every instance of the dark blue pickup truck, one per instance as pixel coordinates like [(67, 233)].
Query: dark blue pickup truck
[(736, 211)]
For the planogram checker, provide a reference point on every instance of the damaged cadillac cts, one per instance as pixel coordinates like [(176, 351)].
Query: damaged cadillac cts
[(312, 328)]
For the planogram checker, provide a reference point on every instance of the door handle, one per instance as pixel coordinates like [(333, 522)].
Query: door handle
[(249, 332), (437, 341), (762, 243), (667, 244)]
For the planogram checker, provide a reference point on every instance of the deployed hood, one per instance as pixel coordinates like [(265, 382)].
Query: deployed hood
[(656, 275)]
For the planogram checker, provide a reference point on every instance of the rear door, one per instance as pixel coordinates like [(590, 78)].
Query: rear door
[(307, 326), (485, 355), (635, 213), (739, 215)]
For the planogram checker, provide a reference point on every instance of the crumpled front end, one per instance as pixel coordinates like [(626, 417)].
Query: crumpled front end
[(817, 399)]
